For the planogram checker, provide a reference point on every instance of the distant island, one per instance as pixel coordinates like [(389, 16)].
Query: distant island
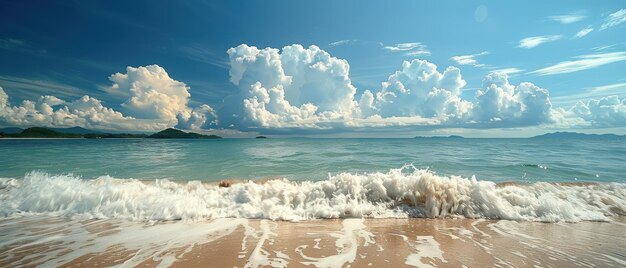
[(261, 137), (77, 133), (576, 135), (172, 133), (439, 137)]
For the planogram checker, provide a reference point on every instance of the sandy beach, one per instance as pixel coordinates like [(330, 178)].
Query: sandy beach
[(38, 241)]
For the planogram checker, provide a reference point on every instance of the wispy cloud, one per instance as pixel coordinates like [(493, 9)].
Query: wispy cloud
[(531, 42), (618, 89), (607, 47), (203, 54), (346, 42), (582, 62), (341, 42), (20, 46), (33, 88), (567, 19), (409, 49), (611, 87), (614, 19), (508, 71), (584, 32), (469, 59)]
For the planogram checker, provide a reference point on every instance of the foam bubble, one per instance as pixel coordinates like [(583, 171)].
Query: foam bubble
[(404, 192)]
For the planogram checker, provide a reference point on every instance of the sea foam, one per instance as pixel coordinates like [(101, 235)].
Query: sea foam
[(399, 193)]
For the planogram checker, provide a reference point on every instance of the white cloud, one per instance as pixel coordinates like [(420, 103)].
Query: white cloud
[(420, 90), (604, 112), (297, 87), (501, 103), (201, 117), (156, 101), (614, 19), (469, 59), (341, 42), (153, 94), (409, 49), (508, 71), (531, 42), (86, 112), (290, 89), (567, 19), (582, 62), (584, 32)]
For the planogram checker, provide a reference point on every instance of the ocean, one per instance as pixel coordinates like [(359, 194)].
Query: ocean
[(54, 192)]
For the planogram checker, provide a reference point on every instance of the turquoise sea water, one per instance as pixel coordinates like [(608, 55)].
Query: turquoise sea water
[(162, 180), (297, 159)]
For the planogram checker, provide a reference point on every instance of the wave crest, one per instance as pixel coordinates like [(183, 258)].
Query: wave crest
[(404, 192)]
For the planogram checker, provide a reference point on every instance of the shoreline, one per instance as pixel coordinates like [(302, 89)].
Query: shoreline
[(320, 243)]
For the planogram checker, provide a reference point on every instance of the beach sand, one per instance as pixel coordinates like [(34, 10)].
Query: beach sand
[(50, 241)]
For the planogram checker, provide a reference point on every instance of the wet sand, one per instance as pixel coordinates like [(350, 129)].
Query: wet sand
[(49, 241)]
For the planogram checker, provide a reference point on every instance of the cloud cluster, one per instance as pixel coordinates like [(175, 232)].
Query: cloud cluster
[(296, 87), (420, 90), (604, 112), (155, 101), (86, 112), (306, 87), (299, 87), (504, 104)]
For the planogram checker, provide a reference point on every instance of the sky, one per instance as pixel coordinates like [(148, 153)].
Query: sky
[(320, 68)]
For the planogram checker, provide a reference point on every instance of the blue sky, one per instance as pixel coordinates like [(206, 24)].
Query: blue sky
[(574, 50)]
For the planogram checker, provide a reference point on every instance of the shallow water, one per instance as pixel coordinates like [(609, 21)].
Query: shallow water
[(324, 243)]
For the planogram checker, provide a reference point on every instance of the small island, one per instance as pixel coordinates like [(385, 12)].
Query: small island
[(77, 133), (261, 137), (172, 133)]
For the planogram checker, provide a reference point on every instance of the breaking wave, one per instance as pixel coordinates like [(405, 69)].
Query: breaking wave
[(399, 193)]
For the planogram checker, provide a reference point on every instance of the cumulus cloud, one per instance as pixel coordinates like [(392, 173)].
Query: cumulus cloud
[(501, 103), (614, 19), (294, 87), (299, 87), (604, 112), (420, 90), (198, 118), (153, 94), (86, 112), (531, 42), (155, 101), (306, 87)]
